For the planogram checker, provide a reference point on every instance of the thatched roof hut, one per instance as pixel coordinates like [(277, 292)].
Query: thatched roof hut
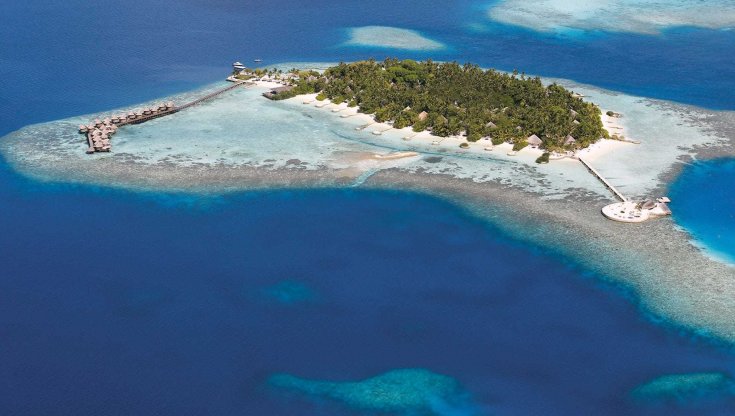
[(534, 140), (423, 115), (275, 91), (570, 140)]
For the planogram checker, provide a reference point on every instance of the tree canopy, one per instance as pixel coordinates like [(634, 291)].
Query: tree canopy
[(452, 99)]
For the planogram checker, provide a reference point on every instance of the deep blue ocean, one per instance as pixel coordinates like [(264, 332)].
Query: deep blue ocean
[(121, 303), (705, 205)]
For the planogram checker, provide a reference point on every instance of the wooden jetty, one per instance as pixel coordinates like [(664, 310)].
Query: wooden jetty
[(99, 132), (603, 180)]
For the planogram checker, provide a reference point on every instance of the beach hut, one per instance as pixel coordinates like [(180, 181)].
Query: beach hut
[(275, 91), (490, 125), (423, 115), (534, 141), (570, 141), (573, 113)]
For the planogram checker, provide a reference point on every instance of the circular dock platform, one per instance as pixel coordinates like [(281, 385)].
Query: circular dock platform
[(626, 212)]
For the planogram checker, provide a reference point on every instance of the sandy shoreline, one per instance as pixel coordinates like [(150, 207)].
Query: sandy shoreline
[(675, 279), (367, 123)]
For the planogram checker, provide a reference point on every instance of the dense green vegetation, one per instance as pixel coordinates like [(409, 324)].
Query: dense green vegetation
[(452, 99)]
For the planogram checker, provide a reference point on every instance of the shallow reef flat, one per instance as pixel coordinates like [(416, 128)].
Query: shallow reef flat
[(638, 16), (391, 38), (675, 282), (241, 141), (685, 387), (406, 391)]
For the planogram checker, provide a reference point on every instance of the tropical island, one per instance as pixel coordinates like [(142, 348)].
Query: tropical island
[(238, 141), (449, 99)]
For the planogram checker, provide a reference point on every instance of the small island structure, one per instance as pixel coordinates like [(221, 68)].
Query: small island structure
[(637, 211)]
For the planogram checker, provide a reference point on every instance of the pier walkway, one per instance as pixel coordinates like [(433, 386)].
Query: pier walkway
[(212, 95), (100, 132), (605, 182)]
